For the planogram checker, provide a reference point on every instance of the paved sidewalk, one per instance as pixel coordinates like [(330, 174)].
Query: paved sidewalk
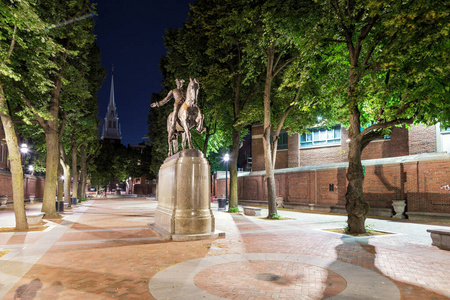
[(102, 249)]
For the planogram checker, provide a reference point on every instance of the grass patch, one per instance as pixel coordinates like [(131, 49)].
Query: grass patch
[(369, 233), (30, 228)]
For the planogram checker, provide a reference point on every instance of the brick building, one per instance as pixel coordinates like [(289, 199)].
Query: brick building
[(325, 146), (411, 165)]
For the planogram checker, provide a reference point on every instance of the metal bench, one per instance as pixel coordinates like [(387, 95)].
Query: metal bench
[(440, 238)]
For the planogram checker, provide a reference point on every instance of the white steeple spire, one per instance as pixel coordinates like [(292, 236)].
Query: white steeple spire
[(111, 127), (112, 103)]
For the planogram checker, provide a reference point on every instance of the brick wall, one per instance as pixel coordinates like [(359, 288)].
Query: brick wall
[(321, 155), (422, 139), (144, 189), (32, 185), (402, 142), (418, 179), (293, 151), (397, 145)]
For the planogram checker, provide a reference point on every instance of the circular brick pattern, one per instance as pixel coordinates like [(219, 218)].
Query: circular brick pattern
[(263, 279), (178, 281)]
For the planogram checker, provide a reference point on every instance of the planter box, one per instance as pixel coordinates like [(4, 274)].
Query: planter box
[(440, 238), (252, 211), (34, 219)]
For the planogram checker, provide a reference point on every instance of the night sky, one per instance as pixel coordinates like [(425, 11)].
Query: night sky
[(130, 36)]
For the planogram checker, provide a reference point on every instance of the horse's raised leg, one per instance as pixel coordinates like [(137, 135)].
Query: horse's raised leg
[(199, 121)]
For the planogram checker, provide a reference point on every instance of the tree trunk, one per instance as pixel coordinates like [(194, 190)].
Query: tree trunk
[(60, 187), (83, 172), (66, 172), (233, 169), (357, 208), (48, 205), (270, 175), (15, 163), (74, 169)]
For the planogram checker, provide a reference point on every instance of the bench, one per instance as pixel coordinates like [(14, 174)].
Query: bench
[(440, 238), (36, 218), (252, 211)]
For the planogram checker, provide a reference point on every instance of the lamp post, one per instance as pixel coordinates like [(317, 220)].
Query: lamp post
[(226, 158), (23, 150)]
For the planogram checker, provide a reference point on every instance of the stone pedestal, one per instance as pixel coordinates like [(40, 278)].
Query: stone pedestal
[(184, 208)]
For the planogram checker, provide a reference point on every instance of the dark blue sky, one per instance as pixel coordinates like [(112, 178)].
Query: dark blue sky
[(130, 36)]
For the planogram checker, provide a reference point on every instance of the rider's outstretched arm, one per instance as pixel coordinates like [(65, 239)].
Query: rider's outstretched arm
[(163, 101)]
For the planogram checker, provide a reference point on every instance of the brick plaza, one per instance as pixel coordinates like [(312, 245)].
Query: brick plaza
[(102, 249)]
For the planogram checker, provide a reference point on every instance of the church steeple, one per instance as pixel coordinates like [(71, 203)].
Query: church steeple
[(111, 127)]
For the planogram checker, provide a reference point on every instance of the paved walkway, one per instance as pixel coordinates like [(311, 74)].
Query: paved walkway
[(102, 249)]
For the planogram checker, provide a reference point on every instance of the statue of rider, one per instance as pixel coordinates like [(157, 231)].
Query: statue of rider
[(179, 95)]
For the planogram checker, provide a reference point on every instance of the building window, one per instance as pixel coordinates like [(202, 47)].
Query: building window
[(445, 130), (282, 140), (109, 124), (114, 124), (321, 136)]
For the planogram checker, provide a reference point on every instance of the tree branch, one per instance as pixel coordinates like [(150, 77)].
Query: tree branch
[(347, 33), (285, 64), (386, 125), (337, 41), (369, 54), (253, 91), (279, 57), (13, 42), (62, 126), (39, 119), (364, 32)]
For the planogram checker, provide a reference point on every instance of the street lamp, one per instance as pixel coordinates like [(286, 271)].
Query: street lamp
[(24, 148), (226, 158), (23, 151)]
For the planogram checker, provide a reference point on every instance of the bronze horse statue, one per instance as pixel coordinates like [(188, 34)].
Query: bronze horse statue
[(188, 116)]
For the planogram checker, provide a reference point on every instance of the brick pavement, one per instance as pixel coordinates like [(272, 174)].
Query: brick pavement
[(103, 250)]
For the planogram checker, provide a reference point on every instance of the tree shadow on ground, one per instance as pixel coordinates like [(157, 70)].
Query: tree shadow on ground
[(362, 254)]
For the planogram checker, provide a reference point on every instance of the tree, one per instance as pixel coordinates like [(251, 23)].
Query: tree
[(272, 39), (229, 82), (75, 36), (25, 56), (391, 63)]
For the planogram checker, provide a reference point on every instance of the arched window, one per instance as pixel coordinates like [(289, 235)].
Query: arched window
[(114, 124), (109, 124)]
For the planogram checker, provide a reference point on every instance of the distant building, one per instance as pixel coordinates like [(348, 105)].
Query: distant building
[(111, 127)]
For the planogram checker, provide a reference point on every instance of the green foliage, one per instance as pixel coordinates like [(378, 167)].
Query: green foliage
[(274, 216), (233, 209), (369, 227)]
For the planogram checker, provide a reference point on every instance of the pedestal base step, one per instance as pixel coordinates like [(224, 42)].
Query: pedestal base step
[(167, 236)]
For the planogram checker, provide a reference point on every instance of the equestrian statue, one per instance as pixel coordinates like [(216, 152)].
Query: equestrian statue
[(186, 114)]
